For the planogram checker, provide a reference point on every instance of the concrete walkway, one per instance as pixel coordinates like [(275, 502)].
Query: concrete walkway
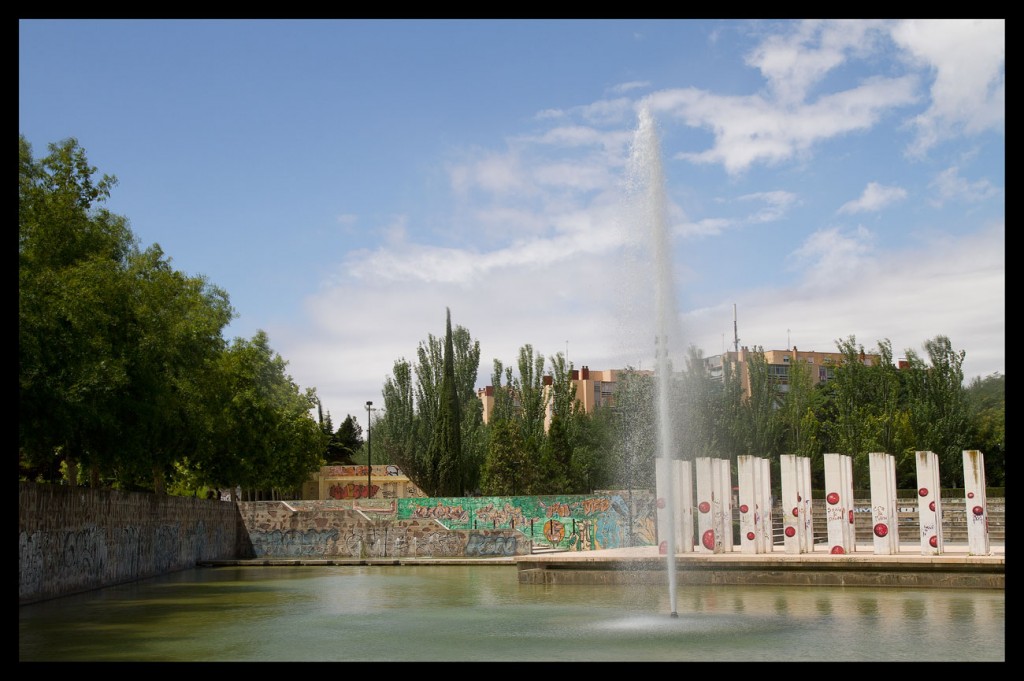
[(954, 568)]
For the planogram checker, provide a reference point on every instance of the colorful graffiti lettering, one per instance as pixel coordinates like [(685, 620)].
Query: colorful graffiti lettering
[(598, 505), (351, 490), (488, 545)]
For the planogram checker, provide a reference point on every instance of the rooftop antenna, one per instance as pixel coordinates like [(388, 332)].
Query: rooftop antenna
[(735, 331)]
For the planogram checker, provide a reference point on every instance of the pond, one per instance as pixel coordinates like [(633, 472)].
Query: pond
[(481, 613)]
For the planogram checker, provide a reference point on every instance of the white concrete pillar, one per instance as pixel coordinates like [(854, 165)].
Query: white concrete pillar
[(684, 505), (929, 503), (709, 505), (796, 498), (839, 503), (767, 527), (807, 538), (674, 490), (884, 511), (722, 477), (754, 502), (977, 505)]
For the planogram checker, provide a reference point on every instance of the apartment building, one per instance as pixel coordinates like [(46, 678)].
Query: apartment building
[(821, 364), (596, 388)]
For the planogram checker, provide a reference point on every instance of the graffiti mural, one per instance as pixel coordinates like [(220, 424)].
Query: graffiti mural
[(569, 522)]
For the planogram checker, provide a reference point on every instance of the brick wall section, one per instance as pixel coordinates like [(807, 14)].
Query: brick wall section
[(321, 530), (73, 539)]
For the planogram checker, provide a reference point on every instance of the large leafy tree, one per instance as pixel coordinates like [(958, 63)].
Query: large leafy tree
[(72, 260), (445, 452), (264, 438), (172, 338), (637, 432), (413, 397), (506, 470), (396, 432), (939, 406), (987, 397)]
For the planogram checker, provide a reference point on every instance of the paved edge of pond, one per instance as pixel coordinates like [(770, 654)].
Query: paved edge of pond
[(954, 568)]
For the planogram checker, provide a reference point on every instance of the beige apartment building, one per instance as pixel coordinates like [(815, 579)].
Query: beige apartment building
[(821, 364), (596, 388)]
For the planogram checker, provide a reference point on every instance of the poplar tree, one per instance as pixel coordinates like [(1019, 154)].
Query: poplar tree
[(445, 453)]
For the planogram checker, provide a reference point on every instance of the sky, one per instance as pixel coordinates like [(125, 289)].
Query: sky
[(350, 182)]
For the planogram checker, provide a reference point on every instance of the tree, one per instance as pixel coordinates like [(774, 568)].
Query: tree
[(637, 431), (987, 398), (763, 428), (345, 441), (264, 438), (445, 453), (397, 432), (850, 429), (560, 445), (72, 261), (939, 406), (506, 469)]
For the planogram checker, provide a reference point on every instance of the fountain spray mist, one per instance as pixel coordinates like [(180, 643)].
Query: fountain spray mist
[(650, 211)]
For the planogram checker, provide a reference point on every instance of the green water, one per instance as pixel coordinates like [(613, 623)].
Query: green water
[(482, 613)]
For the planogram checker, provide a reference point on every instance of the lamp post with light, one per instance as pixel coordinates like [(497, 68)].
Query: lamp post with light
[(369, 452)]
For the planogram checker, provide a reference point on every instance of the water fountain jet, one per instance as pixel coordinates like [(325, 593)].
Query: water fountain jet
[(651, 209)]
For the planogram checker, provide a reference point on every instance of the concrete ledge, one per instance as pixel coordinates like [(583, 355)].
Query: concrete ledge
[(643, 565)]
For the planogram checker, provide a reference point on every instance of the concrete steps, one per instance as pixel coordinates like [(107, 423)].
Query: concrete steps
[(954, 521)]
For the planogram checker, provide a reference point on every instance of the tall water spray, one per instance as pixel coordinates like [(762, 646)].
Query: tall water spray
[(650, 212)]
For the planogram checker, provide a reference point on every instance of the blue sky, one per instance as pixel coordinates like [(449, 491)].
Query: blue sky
[(347, 181)]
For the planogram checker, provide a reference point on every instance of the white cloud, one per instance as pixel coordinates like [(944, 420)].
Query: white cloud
[(967, 57), (949, 186), (955, 288), (875, 197), (776, 204), (751, 129), (794, 62), (830, 257)]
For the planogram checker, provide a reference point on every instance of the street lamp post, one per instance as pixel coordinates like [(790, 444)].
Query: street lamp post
[(369, 452)]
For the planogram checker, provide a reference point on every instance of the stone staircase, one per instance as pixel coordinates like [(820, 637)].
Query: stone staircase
[(954, 521)]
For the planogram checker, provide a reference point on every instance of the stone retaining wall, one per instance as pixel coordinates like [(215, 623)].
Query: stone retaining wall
[(73, 539), (317, 529)]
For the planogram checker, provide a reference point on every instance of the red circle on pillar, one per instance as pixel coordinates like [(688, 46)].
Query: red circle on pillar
[(978, 510), (703, 507), (663, 547), (708, 539), (660, 503), (790, 531), (750, 536), (970, 495), (744, 508), (796, 512), (851, 516), (881, 529), (799, 498), (931, 507), (832, 498), (837, 549), (923, 492), (933, 541)]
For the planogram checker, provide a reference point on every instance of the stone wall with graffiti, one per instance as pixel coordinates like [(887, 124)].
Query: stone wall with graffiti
[(449, 527), (366, 529), (73, 539), (582, 522)]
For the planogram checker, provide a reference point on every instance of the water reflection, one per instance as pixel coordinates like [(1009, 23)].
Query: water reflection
[(424, 613)]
